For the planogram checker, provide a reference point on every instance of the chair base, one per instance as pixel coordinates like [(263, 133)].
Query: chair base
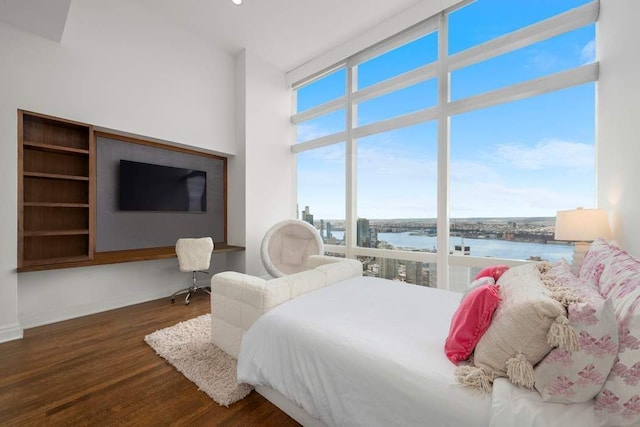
[(189, 291)]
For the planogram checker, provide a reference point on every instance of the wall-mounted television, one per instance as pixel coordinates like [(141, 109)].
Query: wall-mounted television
[(148, 187)]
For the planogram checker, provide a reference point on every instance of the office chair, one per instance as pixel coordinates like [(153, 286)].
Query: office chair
[(194, 255)]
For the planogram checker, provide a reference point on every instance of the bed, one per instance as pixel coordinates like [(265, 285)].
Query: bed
[(348, 352), (330, 347)]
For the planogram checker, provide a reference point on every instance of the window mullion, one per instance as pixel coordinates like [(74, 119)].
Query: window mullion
[(443, 157), (351, 164)]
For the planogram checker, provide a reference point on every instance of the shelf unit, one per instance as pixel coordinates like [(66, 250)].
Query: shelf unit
[(56, 190)]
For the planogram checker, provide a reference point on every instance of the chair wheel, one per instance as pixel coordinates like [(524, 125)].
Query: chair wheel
[(173, 300), (187, 302)]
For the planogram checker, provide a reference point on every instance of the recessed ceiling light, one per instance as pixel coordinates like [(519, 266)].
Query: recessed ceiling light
[(237, 2)]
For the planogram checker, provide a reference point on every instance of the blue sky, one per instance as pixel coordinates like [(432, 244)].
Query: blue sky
[(527, 158)]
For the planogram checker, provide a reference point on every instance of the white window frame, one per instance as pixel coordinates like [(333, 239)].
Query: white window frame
[(442, 112)]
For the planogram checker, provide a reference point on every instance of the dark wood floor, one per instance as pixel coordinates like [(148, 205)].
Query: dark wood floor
[(97, 370)]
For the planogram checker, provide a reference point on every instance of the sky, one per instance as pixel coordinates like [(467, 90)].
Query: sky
[(527, 158)]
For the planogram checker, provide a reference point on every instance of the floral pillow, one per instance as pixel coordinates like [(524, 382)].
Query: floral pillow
[(618, 404), (593, 263), (569, 377)]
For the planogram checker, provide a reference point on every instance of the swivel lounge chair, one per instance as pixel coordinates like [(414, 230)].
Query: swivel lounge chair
[(194, 255), (287, 245)]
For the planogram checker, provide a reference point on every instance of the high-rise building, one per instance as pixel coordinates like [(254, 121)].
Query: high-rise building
[(329, 229), (307, 216), (363, 236)]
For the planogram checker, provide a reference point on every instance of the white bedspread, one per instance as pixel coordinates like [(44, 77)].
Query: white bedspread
[(514, 406), (364, 351)]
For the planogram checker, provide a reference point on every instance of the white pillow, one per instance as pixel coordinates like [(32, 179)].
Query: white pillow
[(528, 323)]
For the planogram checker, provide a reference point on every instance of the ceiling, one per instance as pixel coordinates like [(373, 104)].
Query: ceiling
[(286, 33), (45, 18)]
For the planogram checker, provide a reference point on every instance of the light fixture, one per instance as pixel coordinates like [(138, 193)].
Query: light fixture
[(237, 2), (581, 226)]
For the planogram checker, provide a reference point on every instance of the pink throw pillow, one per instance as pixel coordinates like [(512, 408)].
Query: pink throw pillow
[(494, 271), (470, 321)]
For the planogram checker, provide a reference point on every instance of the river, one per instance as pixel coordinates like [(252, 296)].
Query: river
[(479, 247)]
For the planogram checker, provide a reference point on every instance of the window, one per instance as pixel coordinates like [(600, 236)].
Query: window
[(539, 156), (397, 173), (320, 91), (321, 190), (398, 61), (484, 20), (516, 143)]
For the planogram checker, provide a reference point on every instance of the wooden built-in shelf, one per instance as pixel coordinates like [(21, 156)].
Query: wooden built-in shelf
[(52, 263), (56, 171), (55, 233), (57, 197), (57, 205), (55, 148), (56, 176), (130, 255)]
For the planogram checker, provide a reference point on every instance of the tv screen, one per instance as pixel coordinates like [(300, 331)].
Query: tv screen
[(147, 187)]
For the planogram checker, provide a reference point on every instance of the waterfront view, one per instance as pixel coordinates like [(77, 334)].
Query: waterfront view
[(478, 247), (502, 238), (510, 238)]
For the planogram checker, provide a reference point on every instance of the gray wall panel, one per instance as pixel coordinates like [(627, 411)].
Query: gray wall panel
[(120, 230)]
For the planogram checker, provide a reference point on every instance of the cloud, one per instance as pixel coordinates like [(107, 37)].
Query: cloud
[(588, 53), (393, 162), (496, 199), (310, 131), (550, 153), (397, 182), (307, 132), (543, 62), (461, 170), (334, 153)]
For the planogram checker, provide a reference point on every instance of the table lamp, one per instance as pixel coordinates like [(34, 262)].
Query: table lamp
[(581, 226)]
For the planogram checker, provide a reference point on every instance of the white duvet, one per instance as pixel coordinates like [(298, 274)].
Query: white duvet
[(364, 351)]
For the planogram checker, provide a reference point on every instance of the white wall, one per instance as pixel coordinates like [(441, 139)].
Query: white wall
[(265, 135), (117, 67), (618, 119)]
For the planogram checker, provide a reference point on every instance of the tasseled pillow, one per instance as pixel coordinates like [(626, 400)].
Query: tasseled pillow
[(529, 322)]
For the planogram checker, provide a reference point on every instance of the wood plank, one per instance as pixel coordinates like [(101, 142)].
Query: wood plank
[(57, 205), (131, 255), (56, 176), (97, 370), (55, 148), (55, 232)]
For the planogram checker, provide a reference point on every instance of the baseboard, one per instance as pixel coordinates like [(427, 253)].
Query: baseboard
[(72, 312), (10, 332)]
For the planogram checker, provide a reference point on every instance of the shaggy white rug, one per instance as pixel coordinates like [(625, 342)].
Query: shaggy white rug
[(186, 346)]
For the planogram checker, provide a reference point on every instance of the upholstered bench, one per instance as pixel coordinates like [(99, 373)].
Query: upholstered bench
[(238, 300)]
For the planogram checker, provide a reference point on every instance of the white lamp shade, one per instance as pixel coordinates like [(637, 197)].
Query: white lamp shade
[(582, 225)]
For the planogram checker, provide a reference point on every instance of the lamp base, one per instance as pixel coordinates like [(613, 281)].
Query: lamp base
[(579, 249)]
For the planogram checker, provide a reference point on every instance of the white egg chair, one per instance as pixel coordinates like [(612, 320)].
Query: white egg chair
[(287, 245)]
